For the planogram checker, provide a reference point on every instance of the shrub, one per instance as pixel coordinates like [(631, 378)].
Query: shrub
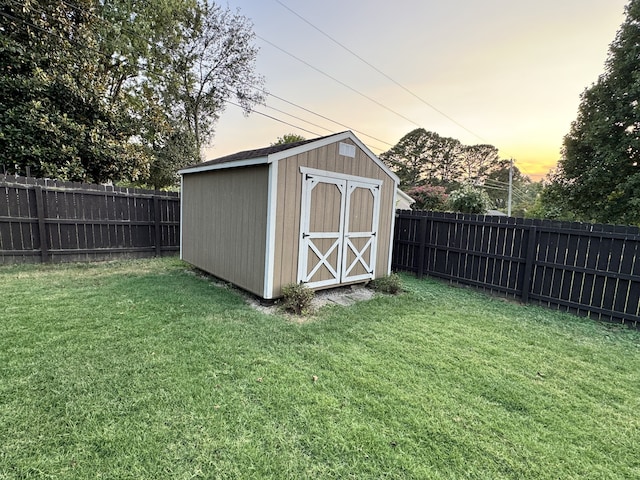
[(469, 199), (389, 284), (428, 197), (297, 298)]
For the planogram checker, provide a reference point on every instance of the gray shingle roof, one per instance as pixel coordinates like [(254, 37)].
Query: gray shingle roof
[(257, 153)]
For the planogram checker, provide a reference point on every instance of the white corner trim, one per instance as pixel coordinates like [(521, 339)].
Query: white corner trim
[(220, 166), (272, 210), (181, 213), (393, 229)]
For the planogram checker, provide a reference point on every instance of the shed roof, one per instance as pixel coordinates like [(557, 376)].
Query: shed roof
[(276, 152)]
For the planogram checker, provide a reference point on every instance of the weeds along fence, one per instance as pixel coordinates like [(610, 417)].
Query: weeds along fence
[(45, 220), (589, 270)]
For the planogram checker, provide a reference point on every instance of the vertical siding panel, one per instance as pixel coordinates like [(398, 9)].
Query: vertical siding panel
[(224, 224)]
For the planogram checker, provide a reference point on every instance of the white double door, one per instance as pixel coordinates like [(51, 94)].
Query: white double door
[(338, 228)]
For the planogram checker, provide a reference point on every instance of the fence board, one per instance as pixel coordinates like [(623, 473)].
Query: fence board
[(582, 268), (45, 220)]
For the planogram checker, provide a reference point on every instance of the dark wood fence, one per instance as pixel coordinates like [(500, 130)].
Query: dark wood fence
[(52, 221), (590, 270)]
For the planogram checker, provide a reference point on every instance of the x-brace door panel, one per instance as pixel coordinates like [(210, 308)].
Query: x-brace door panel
[(321, 229), (338, 229), (362, 210)]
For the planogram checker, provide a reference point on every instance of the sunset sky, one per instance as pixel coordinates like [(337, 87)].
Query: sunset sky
[(504, 72)]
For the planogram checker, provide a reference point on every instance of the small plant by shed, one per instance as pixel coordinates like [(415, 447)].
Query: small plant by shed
[(317, 212)]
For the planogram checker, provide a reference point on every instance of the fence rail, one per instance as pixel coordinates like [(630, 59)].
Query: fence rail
[(590, 270), (44, 220)]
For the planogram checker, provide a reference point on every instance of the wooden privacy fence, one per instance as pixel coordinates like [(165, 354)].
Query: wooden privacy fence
[(590, 270), (47, 220)]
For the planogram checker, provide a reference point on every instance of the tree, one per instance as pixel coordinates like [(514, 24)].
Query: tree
[(477, 161), (53, 115), (446, 162), (103, 91), (469, 199), (215, 63), (288, 138), (428, 197), (423, 157), (598, 177), (177, 151)]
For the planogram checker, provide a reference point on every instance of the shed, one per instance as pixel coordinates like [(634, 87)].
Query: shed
[(318, 212)]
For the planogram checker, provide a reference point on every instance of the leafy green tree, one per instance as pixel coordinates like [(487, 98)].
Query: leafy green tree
[(103, 91), (177, 151), (469, 199), (53, 116), (598, 177), (424, 157), (288, 138)]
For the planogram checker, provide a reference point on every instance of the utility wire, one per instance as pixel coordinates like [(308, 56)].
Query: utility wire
[(273, 118), (388, 77), (323, 117), (338, 81)]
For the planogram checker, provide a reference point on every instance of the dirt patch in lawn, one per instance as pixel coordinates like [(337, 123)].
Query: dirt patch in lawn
[(343, 296)]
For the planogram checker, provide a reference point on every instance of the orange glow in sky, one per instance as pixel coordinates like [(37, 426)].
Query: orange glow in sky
[(504, 72)]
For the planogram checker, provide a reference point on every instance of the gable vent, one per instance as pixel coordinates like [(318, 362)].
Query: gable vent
[(347, 150)]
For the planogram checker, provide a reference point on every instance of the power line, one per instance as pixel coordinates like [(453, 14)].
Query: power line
[(324, 117), (338, 81), (388, 77), (273, 118)]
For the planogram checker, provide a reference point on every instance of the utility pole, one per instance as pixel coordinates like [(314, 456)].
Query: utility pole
[(510, 188)]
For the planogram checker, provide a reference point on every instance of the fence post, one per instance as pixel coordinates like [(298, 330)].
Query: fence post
[(422, 240), (157, 226), (44, 247), (528, 266)]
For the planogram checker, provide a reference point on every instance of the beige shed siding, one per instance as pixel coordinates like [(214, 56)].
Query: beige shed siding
[(225, 224), (288, 205)]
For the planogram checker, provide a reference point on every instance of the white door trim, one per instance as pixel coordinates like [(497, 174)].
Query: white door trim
[(347, 184), (309, 182), (372, 235)]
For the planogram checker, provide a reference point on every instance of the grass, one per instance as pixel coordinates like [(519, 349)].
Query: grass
[(143, 369)]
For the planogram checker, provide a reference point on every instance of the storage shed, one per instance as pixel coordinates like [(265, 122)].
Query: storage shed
[(318, 212)]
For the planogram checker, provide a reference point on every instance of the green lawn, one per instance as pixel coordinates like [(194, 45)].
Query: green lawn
[(143, 369)]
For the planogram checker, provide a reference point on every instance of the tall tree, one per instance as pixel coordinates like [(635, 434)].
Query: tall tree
[(215, 64), (103, 90), (446, 163), (53, 115), (423, 157), (478, 161), (598, 177)]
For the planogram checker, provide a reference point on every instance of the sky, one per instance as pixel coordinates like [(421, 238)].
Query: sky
[(504, 72)]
